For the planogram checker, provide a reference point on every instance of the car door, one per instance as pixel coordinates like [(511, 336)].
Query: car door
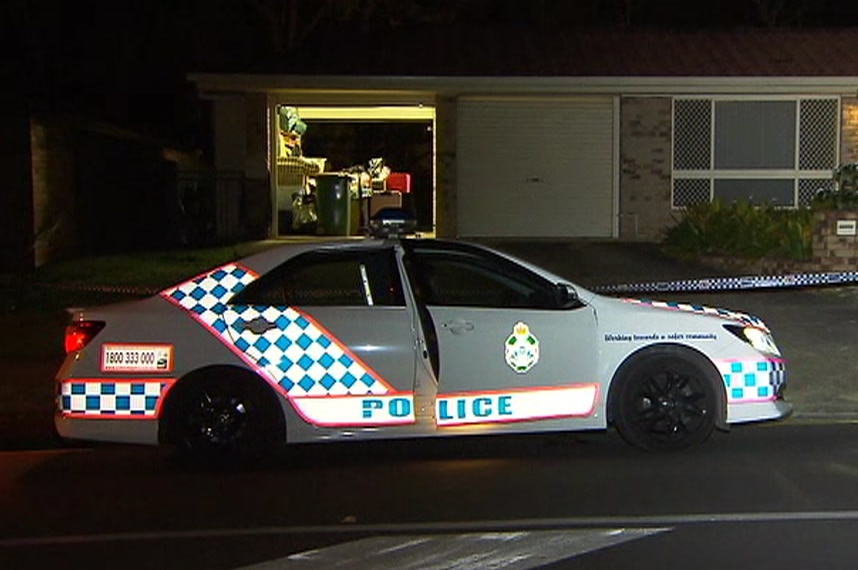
[(331, 331), (509, 354)]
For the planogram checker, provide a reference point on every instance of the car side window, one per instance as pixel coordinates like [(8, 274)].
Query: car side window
[(471, 279), (334, 278)]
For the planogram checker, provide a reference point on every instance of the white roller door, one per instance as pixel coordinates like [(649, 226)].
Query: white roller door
[(536, 167)]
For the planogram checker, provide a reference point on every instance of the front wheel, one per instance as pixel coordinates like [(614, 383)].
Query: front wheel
[(665, 402), (223, 416)]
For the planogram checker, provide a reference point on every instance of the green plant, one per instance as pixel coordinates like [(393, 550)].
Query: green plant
[(844, 195), (741, 229)]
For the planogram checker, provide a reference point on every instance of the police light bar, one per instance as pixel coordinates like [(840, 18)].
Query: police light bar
[(392, 222)]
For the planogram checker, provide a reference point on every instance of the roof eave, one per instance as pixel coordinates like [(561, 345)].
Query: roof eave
[(212, 84)]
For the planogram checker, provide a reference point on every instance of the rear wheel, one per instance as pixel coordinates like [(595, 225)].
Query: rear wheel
[(223, 415), (665, 401)]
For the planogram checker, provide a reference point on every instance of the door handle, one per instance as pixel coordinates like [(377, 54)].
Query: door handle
[(458, 326), (257, 326)]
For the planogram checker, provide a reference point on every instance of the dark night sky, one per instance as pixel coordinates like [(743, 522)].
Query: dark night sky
[(126, 62)]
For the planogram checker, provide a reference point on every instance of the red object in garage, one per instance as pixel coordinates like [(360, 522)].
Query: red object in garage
[(399, 181)]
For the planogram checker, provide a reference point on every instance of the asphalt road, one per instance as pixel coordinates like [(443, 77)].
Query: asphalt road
[(781, 494), (771, 495), (816, 329)]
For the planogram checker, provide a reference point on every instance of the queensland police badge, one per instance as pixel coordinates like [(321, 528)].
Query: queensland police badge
[(521, 349)]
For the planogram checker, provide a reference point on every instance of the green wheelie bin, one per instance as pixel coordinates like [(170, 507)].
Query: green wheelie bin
[(335, 206)]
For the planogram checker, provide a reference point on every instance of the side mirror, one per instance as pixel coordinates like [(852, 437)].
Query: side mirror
[(565, 296)]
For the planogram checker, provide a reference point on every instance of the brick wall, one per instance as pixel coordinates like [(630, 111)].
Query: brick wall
[(830, 251), (446, 204), (849, 130), (256, 198), (645, 167), (99, 190), (55, 234)]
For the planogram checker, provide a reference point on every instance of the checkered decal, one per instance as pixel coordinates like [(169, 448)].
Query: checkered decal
[(297, 354), (115, 398), (303, 358), (702, 310), (204, 295), (752, 380)]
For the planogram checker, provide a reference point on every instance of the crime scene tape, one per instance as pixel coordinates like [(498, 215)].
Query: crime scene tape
[(117, 290), (703, 285), (700, 285)]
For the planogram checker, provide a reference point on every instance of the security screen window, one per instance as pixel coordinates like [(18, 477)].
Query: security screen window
[(777, 192), (754, 135), (779, 151)]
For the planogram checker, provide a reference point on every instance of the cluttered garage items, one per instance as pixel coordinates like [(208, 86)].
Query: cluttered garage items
[(312, 198)]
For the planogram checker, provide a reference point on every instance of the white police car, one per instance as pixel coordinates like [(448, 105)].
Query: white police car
[(386, 338)]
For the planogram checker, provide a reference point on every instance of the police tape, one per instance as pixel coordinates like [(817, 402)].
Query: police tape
[(110, 289), (700, 285), (747, 282)]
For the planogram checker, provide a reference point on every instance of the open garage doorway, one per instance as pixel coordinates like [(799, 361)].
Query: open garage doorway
[(349, 138)]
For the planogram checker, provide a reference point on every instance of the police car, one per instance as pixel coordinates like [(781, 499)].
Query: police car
[(404, 338)]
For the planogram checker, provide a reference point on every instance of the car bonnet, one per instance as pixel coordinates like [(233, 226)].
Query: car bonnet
[(738, 317)]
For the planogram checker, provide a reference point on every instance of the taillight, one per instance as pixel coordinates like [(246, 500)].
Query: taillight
[(80, 333)]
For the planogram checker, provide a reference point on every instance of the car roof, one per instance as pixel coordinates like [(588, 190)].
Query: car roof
[(278, 253)]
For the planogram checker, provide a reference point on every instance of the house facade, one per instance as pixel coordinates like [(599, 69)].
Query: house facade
[(594, 134)]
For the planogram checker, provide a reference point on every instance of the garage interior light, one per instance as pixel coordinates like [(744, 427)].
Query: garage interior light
[(368, 113)]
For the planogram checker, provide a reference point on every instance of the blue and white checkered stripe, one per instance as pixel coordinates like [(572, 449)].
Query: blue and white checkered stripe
[(303, 358), (703, 310), (752, 380), (298, 355), (112, 398), (204, 296)]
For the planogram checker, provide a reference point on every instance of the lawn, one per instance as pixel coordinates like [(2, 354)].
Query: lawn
[(92, 280), (33, 317)]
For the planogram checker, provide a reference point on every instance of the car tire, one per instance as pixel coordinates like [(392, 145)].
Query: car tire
[(665, 401), (224, 415)]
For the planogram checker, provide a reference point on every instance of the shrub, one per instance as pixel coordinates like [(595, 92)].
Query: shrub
[(844, 196), (741, 229)]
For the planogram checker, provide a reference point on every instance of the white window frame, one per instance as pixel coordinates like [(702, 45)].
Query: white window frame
[(711, 174)]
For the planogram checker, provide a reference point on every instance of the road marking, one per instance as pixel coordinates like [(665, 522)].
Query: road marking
[(658, 521), (473, 551)]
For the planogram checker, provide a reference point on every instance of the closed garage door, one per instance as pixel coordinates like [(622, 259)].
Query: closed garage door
[(536, 167)]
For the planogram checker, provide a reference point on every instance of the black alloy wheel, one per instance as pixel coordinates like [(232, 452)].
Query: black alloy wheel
[(224, 417), (665, 402)]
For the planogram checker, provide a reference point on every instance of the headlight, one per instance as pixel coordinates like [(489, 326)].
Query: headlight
[(758, 338)]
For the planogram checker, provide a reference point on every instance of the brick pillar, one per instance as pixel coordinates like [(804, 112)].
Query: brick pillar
[(849, 130), (645, 166), (446, 203), (830, 251)]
